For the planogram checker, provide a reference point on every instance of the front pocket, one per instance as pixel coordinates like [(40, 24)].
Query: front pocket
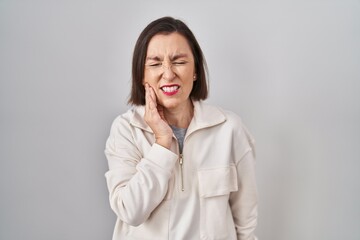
[(217, 181), (215, 186)]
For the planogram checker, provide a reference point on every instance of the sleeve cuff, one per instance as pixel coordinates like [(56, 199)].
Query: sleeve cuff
[(162, 157)]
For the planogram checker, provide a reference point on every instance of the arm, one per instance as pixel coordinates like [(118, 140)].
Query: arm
[(244, 202), (137, 184)]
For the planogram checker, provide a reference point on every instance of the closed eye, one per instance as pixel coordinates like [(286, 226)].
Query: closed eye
[(179, 63), (155, 64)]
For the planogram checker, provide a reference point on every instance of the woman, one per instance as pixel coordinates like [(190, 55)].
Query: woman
[(178, 168)]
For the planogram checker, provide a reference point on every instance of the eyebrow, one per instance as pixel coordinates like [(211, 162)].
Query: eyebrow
[(173, 58), (177, 56), (155, 58)]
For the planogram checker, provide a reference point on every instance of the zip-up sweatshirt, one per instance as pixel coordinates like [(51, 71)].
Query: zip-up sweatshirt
[(207, 192)]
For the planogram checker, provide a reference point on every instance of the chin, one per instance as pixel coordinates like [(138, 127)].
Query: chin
[(170, 103)]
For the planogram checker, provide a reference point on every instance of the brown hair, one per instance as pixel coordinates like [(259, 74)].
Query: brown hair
[(166, 25)]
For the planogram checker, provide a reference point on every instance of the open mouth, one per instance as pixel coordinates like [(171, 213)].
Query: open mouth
[(170, 89)]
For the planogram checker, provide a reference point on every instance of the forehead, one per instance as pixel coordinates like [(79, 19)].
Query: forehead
[(168, 44)]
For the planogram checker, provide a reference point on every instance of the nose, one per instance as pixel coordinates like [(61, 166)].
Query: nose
[(168, 73)]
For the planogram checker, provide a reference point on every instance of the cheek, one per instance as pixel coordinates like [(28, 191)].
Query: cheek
[(150, 78), (152, 81)]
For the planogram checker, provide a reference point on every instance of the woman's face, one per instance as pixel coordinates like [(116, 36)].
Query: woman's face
[(170, 69)]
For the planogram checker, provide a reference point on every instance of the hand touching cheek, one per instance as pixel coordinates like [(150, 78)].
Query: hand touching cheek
[(154, 117)]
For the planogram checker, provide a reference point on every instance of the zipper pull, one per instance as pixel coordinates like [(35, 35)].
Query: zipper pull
[(181, 172)]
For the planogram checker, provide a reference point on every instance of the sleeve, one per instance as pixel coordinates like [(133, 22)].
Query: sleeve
[(244, 202), (137, 184)]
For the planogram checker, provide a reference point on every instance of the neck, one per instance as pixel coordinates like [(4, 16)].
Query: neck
[(181, 116)]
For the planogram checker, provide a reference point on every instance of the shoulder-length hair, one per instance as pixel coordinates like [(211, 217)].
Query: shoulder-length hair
[(166, 25)]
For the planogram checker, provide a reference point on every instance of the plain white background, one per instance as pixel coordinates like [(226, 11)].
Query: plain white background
[(290, 69)]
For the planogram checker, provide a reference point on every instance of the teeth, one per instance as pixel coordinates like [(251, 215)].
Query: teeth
[(170, 89)]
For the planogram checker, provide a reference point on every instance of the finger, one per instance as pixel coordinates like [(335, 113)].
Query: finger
[(152, 98), (147, 97), (152, 95), (160, 110)]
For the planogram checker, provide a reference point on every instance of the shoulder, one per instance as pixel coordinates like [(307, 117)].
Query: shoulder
[(132, 115), (123, 118), (123, 121), (234, 122), (231, 118)]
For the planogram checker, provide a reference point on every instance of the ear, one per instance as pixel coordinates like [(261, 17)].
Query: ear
[(195, 77)]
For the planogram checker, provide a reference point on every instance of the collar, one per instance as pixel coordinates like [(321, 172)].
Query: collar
[(204, 116)]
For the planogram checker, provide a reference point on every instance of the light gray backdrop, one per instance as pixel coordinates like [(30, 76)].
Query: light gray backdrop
[(289, 68)]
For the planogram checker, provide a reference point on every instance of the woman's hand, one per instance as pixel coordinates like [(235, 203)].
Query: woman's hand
[(154, 117)]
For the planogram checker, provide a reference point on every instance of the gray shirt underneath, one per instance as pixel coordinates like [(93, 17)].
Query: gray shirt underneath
[(180, 135)]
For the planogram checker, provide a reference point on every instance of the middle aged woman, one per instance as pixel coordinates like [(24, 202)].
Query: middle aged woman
[(178, 168)]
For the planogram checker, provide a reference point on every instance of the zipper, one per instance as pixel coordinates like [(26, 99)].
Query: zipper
[(181, 171)]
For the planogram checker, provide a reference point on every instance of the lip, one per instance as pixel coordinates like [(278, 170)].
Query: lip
[(170, 93)]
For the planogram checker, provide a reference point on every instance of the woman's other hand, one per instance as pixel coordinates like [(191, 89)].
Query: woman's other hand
[(154, 117)]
